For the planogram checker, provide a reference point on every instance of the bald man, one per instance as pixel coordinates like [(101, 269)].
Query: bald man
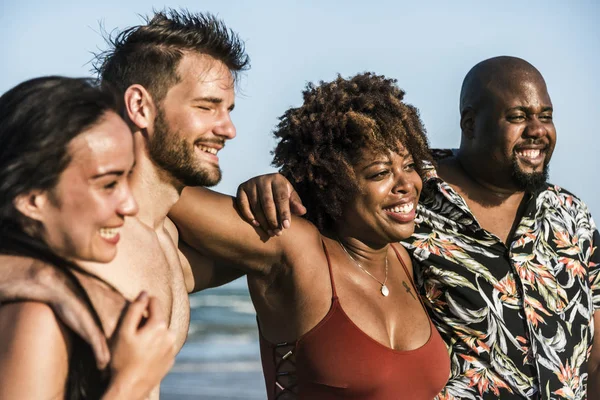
[(506, 261)]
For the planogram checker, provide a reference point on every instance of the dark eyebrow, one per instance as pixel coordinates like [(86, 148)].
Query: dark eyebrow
[(115, 172), (213, 100), (375, 163), (404, 155), (526, 109)]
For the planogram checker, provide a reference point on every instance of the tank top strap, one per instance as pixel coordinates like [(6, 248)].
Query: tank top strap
[(412, 282), (333, 292)]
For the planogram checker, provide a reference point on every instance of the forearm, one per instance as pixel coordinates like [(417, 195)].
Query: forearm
[(209, 223), (221, 274)]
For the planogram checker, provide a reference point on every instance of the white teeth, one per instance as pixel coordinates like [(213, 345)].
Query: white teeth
[(109, 233), (529, 153), (404, 209), (208, 149)]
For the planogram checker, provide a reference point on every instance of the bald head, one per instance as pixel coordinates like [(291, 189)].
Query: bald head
[(492, 74), (506, 121)]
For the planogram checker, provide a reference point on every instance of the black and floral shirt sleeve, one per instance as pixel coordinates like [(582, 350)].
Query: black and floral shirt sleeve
[(517, 318)]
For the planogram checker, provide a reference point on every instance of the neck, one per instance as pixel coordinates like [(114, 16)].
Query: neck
[(155, 190), (474, 179), (368, 255)]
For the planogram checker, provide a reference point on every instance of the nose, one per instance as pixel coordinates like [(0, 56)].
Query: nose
[(404, 183), (225, 127), (127, 206), (535, 128)]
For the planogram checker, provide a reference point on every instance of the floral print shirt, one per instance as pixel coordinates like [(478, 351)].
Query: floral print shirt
[(518, 319)]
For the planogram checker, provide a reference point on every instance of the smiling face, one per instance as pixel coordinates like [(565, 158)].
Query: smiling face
[(82, 214), (515, 133), (193, 122), (383, 209)]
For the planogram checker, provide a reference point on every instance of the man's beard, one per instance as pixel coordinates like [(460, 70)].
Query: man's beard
[(529, 181), (176, 156)]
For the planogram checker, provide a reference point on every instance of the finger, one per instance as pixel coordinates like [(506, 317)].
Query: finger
[(156, 316), (267, 204), (296, 204), (281, 197), (259, 216), (243, 205), (134, 314), (254, 201)]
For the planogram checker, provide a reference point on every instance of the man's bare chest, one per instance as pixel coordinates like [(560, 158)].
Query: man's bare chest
[(151, 262)]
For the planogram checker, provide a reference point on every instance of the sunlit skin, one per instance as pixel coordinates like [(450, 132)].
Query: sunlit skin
[(516, 123), (507, 128), (196, 114), (384, 209), (288, 275), (82, 215)]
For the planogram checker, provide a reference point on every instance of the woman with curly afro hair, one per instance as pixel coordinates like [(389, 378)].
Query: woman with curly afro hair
[(337, 310)]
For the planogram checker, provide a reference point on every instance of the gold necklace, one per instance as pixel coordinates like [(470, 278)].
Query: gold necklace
[(384, 289)]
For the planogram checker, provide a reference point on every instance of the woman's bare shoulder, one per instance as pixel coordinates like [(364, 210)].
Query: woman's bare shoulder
[(33, 343)]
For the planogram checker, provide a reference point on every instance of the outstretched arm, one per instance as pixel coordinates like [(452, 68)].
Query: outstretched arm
[(266, 202), (210, 223), (207, 272)]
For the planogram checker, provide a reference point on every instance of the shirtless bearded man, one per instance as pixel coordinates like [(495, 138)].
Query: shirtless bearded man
[(177, 75)]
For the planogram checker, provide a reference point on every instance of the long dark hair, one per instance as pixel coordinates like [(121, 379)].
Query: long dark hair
[(38, 120)]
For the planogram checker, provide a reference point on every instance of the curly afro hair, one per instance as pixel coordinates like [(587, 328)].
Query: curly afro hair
[(320, 141)]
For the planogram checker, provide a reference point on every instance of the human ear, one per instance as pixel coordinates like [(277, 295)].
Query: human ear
[(139, 106), (467, 122), (32, 204)]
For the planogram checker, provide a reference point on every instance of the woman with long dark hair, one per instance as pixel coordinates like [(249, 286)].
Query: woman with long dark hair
[(65, 157)]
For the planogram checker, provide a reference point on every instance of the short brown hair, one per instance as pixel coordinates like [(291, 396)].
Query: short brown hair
[(150, 54)]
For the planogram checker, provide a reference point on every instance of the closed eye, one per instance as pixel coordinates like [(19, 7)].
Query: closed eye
[(111, 185), (379, 175)]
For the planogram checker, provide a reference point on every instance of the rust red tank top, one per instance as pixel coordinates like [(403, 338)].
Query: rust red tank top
[(337, 360)]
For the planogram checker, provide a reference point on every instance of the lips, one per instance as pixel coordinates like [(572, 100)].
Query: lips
[(401, 212), (111, 235), (402, 208), (531, 155)]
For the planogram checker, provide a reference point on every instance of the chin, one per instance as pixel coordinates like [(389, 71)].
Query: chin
[(404, 234), (102, 257), (202, 177)]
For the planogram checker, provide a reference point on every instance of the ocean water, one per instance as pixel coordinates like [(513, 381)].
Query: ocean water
[(221, 358)]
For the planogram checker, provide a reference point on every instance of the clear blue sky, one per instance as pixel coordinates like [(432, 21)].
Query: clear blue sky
[(427, 45)]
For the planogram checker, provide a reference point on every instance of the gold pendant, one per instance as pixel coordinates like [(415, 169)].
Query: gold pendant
[(385, 291)]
